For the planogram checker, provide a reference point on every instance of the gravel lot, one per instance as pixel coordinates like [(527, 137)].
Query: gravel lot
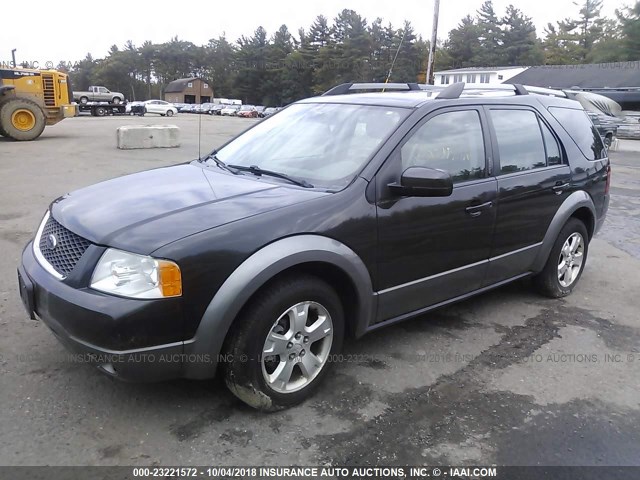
[(507, 377)]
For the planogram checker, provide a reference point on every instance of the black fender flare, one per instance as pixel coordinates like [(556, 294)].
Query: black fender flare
[(252, 274), (572, 203)]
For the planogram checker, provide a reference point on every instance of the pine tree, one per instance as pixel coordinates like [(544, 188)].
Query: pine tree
[(463, 43), (520, 44), (408, 62), (490, 36), (609, 47), (629, 19), (561, 44), (353, 44), (590, 26), (250, 85)]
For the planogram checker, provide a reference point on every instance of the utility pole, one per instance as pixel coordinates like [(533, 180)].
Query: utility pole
[(13, 56), (432, 45)]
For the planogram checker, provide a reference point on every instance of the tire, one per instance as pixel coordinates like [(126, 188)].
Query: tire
[(2, 132), (101, 111), (548, 282), (169, 113), (115, 100), (84, 100), (26, 112), (267, 315), (2, 102), (607, 140)]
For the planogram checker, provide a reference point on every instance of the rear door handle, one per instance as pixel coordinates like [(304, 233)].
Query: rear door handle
[(476, 210), (560, 187)]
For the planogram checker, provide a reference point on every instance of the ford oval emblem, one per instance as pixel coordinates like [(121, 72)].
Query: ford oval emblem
[(52, 242)]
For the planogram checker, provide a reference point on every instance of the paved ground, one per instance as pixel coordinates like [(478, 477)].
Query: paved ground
[(507, 377)]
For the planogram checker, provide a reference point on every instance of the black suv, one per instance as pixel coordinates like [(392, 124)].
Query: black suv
[(339, 215), (606, 125)]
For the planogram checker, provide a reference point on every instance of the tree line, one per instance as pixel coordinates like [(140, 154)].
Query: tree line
[(280, 68)]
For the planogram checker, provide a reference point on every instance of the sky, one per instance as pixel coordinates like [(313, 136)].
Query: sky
[(80, 27)]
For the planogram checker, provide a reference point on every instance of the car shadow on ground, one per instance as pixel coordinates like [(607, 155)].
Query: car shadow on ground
[(447, 321)]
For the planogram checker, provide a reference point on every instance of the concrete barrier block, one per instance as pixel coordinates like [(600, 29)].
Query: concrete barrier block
[(627, 130), (148, 136)]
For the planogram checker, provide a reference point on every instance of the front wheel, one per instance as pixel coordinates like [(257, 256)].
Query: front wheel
[(21, 119), (169, 113), (282, 345), (566, 261), (115, 100)]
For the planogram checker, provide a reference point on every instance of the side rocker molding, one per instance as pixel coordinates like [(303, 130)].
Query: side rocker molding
[(201, 353), (572, 203)]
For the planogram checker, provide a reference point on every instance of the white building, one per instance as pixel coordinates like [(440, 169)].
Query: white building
[(476, 75)]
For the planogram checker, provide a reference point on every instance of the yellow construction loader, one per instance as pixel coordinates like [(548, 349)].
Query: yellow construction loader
[(31, 99)]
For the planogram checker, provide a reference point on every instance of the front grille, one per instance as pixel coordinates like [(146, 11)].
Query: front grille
[(48, 88), (68, 247)]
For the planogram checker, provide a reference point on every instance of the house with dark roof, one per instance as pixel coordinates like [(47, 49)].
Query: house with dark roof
[(476, 75), (188, 90), (619, 81)]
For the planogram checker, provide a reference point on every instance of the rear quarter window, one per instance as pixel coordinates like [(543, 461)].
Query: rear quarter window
[(581, 130)]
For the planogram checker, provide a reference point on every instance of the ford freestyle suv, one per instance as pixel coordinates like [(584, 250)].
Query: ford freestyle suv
[(338, 215)]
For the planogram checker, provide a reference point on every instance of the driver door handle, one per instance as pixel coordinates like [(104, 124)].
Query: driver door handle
[(476, 210)]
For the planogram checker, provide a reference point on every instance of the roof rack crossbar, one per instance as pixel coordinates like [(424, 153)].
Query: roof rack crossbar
[(354, 87)]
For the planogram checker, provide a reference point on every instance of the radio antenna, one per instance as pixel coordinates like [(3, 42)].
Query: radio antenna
[(404, 32), (199, 119)]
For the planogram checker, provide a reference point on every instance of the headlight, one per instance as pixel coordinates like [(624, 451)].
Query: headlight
[(136, 276)]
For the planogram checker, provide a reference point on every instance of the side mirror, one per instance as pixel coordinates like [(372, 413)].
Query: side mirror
[(423, 182)]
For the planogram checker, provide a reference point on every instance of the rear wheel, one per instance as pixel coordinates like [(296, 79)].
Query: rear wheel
[(280, 349), (21, 119), (566, 261), (101, 111)]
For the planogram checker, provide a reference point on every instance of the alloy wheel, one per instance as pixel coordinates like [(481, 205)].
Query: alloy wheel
[(297, 347), (570, 259)]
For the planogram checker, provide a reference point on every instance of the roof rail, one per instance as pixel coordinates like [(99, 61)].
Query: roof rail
[(444, 92), (455, 90), (355, 87)]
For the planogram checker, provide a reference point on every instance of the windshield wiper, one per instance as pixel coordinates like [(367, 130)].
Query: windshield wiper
[(220, 163), (256, 170)]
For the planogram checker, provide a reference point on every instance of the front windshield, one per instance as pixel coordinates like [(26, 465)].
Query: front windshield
[(325, 144)]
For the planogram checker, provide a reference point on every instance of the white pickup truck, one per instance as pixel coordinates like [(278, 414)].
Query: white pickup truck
[(98, 94)]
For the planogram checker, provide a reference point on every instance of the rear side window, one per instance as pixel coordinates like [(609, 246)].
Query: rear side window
[(519, 140), (581, 130), (553, 149)]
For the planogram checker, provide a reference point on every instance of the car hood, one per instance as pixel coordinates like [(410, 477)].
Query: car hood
[(147, 210)]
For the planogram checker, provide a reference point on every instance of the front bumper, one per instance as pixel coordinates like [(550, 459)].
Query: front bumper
[(95, 325)]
